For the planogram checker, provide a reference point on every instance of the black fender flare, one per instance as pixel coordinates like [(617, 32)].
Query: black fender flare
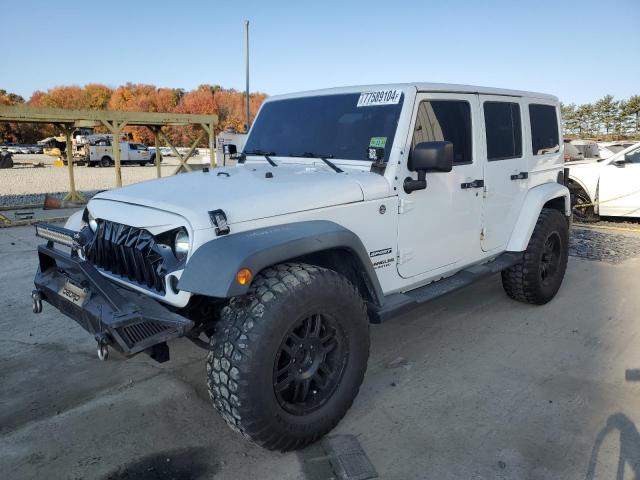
[(211, 270)]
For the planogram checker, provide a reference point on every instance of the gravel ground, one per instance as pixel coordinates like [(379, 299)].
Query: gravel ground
[(603, 246), (25, 184)]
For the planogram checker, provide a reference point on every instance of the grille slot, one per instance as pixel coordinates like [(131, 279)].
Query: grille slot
[(128, 252), (138, 332)]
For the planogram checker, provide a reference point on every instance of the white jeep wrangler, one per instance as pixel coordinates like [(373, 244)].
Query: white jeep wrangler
[(349, 205)]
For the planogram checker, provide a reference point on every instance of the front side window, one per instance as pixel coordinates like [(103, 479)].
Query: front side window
[(503, 131), (544, 129), (342, 126), (445, 120)]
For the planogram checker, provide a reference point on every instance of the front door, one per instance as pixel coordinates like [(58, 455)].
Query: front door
[(505, 168), (440, 226), (620, 186)]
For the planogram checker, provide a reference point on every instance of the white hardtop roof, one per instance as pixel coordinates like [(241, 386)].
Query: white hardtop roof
[(421, 87)]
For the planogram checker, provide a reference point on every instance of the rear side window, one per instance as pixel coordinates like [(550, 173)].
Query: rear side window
[(544, 129), (445, 120), (504, 133)]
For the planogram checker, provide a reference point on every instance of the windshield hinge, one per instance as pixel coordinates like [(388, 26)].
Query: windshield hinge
[(405, 205)]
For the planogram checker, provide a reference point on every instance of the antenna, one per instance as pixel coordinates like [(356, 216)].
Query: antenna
[(246, 57)]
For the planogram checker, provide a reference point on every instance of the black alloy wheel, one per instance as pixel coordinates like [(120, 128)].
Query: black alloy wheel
[(309, 364)]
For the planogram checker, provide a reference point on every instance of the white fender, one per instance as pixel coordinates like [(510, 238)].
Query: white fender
[(533, 203), (74, 222)]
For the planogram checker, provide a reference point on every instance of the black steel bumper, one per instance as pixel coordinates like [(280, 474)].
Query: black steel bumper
[(128, 321)]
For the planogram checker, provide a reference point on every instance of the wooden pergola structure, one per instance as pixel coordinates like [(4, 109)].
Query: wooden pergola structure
[(115, 121)]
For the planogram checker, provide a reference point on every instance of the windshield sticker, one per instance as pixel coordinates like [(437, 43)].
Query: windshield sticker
[(379, 97), (378, 142)]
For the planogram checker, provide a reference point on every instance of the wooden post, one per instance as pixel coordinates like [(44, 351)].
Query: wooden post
[(212, 145), (115, 145), (116, 127), (158, 159), (73, 195), (210, 132)]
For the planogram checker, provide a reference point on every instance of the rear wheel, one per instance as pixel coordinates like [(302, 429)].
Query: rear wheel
[(105, 161), (538, 277), (287, 359)]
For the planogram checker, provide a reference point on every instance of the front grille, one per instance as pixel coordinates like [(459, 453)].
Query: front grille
[(129, 252)]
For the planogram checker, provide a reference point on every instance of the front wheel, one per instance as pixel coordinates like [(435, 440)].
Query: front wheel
[(582, 207), (288, 359), (537, 278)]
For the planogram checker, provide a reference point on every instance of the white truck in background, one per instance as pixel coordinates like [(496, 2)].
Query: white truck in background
[(98, 150)]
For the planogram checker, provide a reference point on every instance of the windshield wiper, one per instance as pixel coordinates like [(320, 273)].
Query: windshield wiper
[(261, 153), (324, 158)]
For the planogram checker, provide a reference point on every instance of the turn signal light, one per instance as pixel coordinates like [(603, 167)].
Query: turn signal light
[(243, 277)]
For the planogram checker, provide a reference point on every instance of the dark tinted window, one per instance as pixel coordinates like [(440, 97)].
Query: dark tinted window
[(633, 156), (448, 120), (544, 129), (324, 125), (504, 134)]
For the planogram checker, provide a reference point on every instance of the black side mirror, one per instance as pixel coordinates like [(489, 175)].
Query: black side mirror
[(620, 163), (428, 157)]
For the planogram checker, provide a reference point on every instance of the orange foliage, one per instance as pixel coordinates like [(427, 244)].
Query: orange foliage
[(228, 104)]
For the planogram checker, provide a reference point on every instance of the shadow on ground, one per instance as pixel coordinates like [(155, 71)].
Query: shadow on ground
[(629, 439), (184, 464)]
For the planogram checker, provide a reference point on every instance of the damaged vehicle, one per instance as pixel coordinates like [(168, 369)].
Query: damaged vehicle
[(607, 187), (348, 206)]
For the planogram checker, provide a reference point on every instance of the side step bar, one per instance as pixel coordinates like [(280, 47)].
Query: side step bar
[(398, 303)]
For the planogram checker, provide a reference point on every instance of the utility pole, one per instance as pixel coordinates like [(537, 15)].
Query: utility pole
[(246, 57)]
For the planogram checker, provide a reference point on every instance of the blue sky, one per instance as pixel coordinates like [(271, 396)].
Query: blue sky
[(561, 47)]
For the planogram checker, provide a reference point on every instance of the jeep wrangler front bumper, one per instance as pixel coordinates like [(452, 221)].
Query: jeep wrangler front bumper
[(128, 321)]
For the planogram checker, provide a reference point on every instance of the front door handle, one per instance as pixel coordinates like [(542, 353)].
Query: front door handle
[(520, 176), (475, 184)]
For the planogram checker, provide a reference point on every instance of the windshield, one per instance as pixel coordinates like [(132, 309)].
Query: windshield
[(341, 126)]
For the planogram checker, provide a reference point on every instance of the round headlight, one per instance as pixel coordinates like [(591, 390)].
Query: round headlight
[(93, 224), (181, 244)]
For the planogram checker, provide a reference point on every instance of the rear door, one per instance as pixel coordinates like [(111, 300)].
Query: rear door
[(505, 168), (439, 227)]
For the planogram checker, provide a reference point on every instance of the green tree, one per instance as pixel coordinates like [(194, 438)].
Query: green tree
[(585, 118), (632, 112), (570, 122), (606, 110)]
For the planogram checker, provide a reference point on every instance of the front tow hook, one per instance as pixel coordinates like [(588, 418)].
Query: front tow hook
[(36, 299), (103, 340)]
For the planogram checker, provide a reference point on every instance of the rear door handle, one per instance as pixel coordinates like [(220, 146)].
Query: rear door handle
[(475, 184), (520, 176)]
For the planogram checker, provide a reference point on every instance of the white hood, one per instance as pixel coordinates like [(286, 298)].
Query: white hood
[(247, 193)]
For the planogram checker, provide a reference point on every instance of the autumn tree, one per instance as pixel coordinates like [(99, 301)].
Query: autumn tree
[(10, 132)]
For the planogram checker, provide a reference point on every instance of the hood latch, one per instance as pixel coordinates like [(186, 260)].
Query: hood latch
[(219, 220)]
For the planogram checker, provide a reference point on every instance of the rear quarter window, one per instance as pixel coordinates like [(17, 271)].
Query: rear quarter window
[(544, 129)]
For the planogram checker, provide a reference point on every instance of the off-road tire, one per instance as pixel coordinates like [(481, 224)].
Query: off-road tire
[(249, 335), (524, 281)]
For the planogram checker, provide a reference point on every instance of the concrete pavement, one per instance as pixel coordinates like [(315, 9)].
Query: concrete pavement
[(473, 385)]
